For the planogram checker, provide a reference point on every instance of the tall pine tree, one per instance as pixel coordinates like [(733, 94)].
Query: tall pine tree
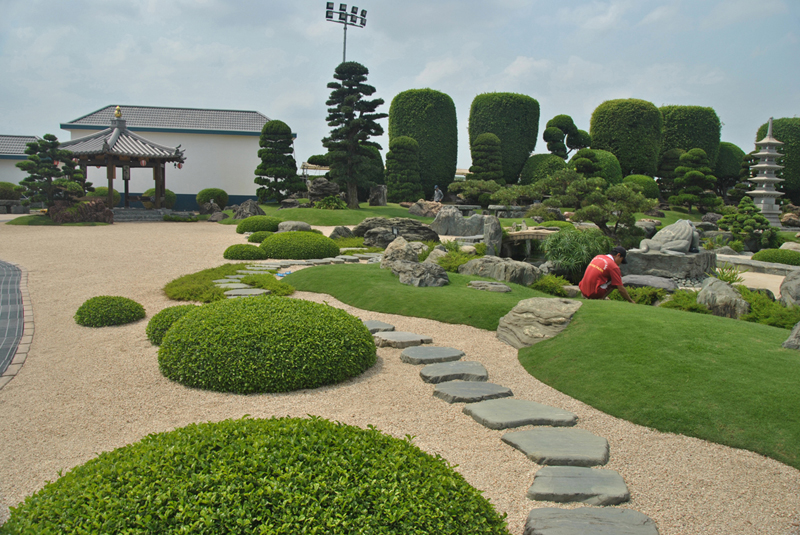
[(694, 181), (277, 173), (52, 175)]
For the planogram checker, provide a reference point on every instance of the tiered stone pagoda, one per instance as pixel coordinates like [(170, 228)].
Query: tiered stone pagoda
[(765, 195)]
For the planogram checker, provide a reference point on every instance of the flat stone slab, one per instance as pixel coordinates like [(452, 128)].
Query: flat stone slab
[(454, 371), (319, 262), (348, 258), (376, 326), (234, 277), (562, 447), (232, 285), (592, 486), (430, 355), (508, 413), (489, 286), (246, 292), (250, 271), (470, 392), (588, 521), (263, 268), (227, 280), (400, 339), (638, 281), (335, 260), (362, 256)]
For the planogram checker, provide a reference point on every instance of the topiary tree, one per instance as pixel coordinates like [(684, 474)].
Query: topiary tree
[(599, 163), (51, 172), (690, 127), (107, 310), (647, 183), (539, 167), (694, 182), (219, 196), (561, 134), (429, 117), (319, 159), (513, 118), (474, 191), (297, 245), (631, 130), (402, 170), (277, 172), (749, 226), (728, 167), (487, 159), (787, 130), (613, 210), (670, 160)]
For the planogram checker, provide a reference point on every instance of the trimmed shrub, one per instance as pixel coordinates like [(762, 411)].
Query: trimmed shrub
[(686, 300), (403, 182), (513, 118), (260, 236), (610, 168), (257, 223), (728, 167), (429, 117), (331, 202), (648, 184), (289, 475), (102, 193), (559, 224), (787, 130), (487, 160), (8, 192), (268, 281), (277, 173), (749, 226), (768, 312), (179, 219), (631, 130), (244, 251), (265, 344), (159, 324), (219, 196), (539, 167), (691, 127), (551, 284), (319, 159), (169, 199), (778, 256), (299, 246), (645, 295), (106, 310)]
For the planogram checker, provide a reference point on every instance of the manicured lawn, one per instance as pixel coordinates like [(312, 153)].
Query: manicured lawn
[(34, 220)]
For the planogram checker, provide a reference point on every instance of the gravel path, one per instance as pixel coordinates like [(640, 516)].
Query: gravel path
[(83, 391)]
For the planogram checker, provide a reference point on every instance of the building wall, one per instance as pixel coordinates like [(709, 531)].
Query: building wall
[(9, 171)]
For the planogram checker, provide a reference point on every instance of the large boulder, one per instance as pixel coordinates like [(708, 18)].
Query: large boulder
[(341, 232), (420, 274), (294, 226), (793, 342), (658, 264), (492, 235), (435, 255), (321, 187), (289, 203), (680, 237), (722, 299), (399, 249), (641, 281), (377, 195), (209, 208), (379, 237), (451, 222), (536, 319), (217, 217), (790, 219), (648, 226), (501, 269), (425, 208), (247, 209), (791, 246), (410, 229), (790, 289)]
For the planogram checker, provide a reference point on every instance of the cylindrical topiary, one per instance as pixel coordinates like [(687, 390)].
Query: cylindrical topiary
[(403, 182), (256, 223), (265, 344), (106, 310), (244, 251), (260, 236), (159, 324), (647, 183), (169, 199), (539, 167), (299, 246), (631, 130), (101, 192), (217, 195), (690, 127), (787, 131)]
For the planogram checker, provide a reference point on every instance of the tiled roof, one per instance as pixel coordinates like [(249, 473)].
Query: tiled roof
[(148, 117), (15, 145), (120, 141)]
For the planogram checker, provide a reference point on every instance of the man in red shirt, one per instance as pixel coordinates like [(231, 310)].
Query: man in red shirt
[(603, 275)]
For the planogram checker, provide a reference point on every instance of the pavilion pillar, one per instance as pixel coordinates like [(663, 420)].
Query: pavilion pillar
[(126, 178), (111, 174), (157, 173), (164, 183)]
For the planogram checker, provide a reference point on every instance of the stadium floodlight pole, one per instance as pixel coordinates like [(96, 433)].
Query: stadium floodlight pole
[(346, 19)]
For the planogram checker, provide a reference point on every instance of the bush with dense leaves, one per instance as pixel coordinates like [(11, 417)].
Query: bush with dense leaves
[(645, 295), (487, 161), (332, 202), (265, 344), (9, 192), (244, 251), (159, 324), (105, 310), (101, 192), (256, 223), (571, 250), (749, 226), (691, 127), (728, 167), (540, 166), (260, 236), (685, 300), (403, 181), (552, 223), (297, 245), (778, 256), (180, 219), (551, 284), (200, 286), (268, 281), (631, 130), (169, 199), (647, 183), (219, 196), (282, 475), (767, 311)]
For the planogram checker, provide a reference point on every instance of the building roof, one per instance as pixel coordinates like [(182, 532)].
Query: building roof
[(119, 141), (187, 120), (14, 146)]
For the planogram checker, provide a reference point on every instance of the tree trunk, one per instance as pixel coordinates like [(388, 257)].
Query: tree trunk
[(352, 196)]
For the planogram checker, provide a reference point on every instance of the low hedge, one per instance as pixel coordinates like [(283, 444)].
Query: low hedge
[(244, 251), (256, 223), (551, 284), (282, 475), (265, 344), (200, 286), (778, 256), (268, 281), (219, 196), (106, 310), (559, 224), (258, 237), (297, 245), (159, 324)]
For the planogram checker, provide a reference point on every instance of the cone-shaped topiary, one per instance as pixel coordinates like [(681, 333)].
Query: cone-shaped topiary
[(487, 158), (105, 310), (159, 324), (297, 245), (244, 251), (277, 172)]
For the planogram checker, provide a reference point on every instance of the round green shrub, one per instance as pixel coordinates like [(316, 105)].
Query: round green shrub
[(778, 256), (105, 310), (631, 130), (102, 193), (8, 193), (297, 245), (159, 324), (610, 169), (258, 237), (551, 284), (282, 475), (539, 167), (265, 344), (218, 195), (555, 223), (169, 199), (244, 251), (256, 223), (648, 184)]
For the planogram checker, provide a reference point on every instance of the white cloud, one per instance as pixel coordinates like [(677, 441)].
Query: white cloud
[(596, 16), (662, 14), (522, 66), (729, 12)]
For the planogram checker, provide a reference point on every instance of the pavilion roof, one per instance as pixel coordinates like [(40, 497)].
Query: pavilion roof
[(119, 141)]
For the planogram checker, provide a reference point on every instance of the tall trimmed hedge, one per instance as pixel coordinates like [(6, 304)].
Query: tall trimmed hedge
[(429, 117), (631, 130), (512, 117), (691, 127), (277, 173), (728, 167), (540, 166), (487, 158), (402, 171), (787, 130)]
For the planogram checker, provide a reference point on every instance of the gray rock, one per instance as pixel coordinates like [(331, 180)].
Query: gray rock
[(790, 289), (289, 203), (639, 281), (492, 235), (335, 260), (711, 217), (706, 226), (678, 237), (791, 246), (216, 217), (377, 195), (501, 269), (592, 486), (793, 342), (376, 326), (508, 413), (410, 229), (420, 274), (209, 208), (536, 319), (379, 237), (722, 299), (425, 208), (246, 209), (341, 232), (470, 392), (400, 339), (677, 266), (321, 187), (725, 250), (246, 292), (648, 227), (454, 371), (489, 286), (451, 222), (398, 249), (588, 521), (294, 226), (227, 285), (350, 259), (435, 255), (430, 355), (560, 446)]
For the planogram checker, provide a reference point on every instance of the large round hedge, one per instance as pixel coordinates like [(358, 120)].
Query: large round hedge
[(244, 251), (8, 192), (787, 130), (256, 223), (429, 117), (631, 130), (219, 196), (169, 199), (282, 475), (265, 344), (609, 168), (691, 127), (101, 192), (648, 184), (105, 310), (297, 245), (540, 166), (403, 182), (159, 324)]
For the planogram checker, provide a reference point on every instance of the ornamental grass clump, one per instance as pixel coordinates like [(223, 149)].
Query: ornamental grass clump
[(571, 250), (265, 344), (106, 310), (159, 324), (244, 251), (256, 223), (298, 245)]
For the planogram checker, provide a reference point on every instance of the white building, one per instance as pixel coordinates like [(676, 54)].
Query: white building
[(12, 151)]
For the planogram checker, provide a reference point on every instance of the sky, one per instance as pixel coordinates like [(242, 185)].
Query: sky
[(62, 60)]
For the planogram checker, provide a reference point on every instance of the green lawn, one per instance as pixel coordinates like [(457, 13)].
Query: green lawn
[(34, 220)]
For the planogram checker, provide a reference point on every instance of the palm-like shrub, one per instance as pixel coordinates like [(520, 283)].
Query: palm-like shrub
[(159, 324), (219, 196), (106, 310), (244, 251), (571, 251), (299, 246), (256, 223)]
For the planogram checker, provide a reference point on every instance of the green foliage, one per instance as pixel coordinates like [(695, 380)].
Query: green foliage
[(631, 130), (561, 134), (540, 166), (729, 273), (670, 160), (728, 167), (645, 295), (691, 127), (200, 286), (768, 312), (277, 172), (571, 250), (299, 246), (159, 324), (169, 199), (749, 226), (403, 180), (102, 193), (551, 284), (694, 182), (736, 245), (513, 195), (180, 219), (219, 196), (487, 158), (106, 310), (647, 183), (258, 237), (778, 256), (265, 344), (559, 224), (686, 300), (559, 187), (428, 117), (256, 223), (321, 160), (268, 281), (787, 130), (40, 185), (10, 192), (453, 259), (513, 118), (331, 202), (597, 163), (244, 251), (471, 190)]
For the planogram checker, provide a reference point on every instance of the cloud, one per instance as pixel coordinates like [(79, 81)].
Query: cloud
[(728, 12), (523, 66), (662, 14), (596, 16)]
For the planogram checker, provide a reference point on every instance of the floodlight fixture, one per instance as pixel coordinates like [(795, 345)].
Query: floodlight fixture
[(351, 18)]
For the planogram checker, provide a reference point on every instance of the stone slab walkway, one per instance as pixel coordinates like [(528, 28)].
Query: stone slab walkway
[(454, 371), (560, 446), (592, 486), (588, 521), (508, 413), (430, 355), (469, 392), (400, 339)]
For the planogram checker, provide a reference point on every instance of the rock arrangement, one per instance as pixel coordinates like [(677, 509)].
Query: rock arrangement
[(321, 187), (402, 258), (247, 209), (536, 319), (672, 253), (410, 229)]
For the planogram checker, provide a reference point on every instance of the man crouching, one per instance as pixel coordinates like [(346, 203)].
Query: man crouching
[(603, 275)]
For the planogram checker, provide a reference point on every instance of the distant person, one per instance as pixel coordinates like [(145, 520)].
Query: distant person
[(437, 194), (603, 275)]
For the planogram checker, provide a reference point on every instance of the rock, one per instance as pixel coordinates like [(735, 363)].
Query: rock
[(454, 371), (209, 208), (489, 286), (400, 339), (790, 289), (430, 355), (377, 195), (678, 266), (289, 203), (566, 484), (247, 209), (536, 319), (555, 214), (379, 237), (655, 213), (722, 299), (469, 249), (790, 219), (294, 226), (420, 274), (648, 227), (640, 281), (793, 342), (425, 208), (398, 249), (451, 222), (321, 187), (217, 217), (791, 246), (492, 235), (410, 229), (588, 521), (562, 446), (406, 204), (679, 237), (375, 326), (18, 209), (434, 257), (470, 392), (725, 250), (711, 217), (509, 413), (341, 232), (501, 269), (246, 292), (418, 247), (706, 226)]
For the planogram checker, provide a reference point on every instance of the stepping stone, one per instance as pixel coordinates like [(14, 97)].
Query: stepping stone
[(262, 268), (226, 280), (588, 521), (489, 286), (373, 255), (232, 285), (508, 413), (234, 277), (295, 263), (430, 355), (469, 392), (452, 371), (593, 486), (246, 292), (376, 326), (362, 256), (335, 260), (319, 262), (348, 258), (400, 339), (250, 271), (563, 447)]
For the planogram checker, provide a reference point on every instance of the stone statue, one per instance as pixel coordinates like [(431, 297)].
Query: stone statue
[(678, 238)]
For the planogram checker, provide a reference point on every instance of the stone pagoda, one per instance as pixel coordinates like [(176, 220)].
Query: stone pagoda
[(765, 195)]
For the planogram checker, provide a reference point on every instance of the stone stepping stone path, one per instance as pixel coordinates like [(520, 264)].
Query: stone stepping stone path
[(430, 355), (245, 292), (588, 521), (400, 339), (234, 277), (348, 258), (592, 486), (232, 285), (334, 260), (376, 326), (563, 447), (508, 413), (470, 392), (454, 371)]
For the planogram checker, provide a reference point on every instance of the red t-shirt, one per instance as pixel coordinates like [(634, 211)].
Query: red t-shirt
[(601, 272)]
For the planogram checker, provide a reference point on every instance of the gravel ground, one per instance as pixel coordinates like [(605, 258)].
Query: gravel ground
[(83, 391)]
